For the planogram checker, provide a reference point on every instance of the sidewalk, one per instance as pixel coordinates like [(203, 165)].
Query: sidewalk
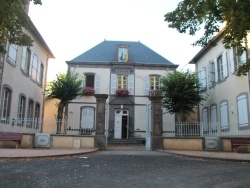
[(215, 155), (13, 153)]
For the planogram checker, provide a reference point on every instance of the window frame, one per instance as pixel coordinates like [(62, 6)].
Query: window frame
[(26, 60), (83, 119), (214, 122), (21, 110), (30, 113), (206, 123), (153, 83), (122, 81), (122, 54), (12, 48), (223, 112), (243, 123), (212, 73), (5, 108)]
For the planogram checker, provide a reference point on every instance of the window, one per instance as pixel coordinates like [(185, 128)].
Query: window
[(122, 81), (30, 113), (92, 80), (5, 111), (154, 82), (205, 119), (242, 110), (213, 113), (87, 117), (151, 82), (12, 53), (122, 54), (224, 115), (37, 111), (222, 66), (202, 78), (236, 60), (21, 110), (37, 116), (212, 73), (34, 67), (26, 56), (40, 81), (89, 80)]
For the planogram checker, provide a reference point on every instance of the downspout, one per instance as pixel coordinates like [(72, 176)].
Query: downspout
[(44, 92), (2, 58)]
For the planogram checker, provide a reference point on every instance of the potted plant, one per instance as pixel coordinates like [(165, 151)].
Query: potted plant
[(122, 92), (154, 92), (88, 91)]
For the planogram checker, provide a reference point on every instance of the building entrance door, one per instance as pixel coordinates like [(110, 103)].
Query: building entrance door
[(121, 124)]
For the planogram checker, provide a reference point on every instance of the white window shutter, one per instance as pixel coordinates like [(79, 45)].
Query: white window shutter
[(202, 77), (38, 70), (223, 115), (243, 57), (211, 73), (113, 83), (31, 62), (146, 85), (97, 83), (87, 120), (224, 64), (84, 82), (215, 71), (213, 117), (205, 119), (231, 60), (24, 58), (131, 84), (242, 110)]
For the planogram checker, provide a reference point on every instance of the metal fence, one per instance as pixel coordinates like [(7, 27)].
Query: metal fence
[(200, 129), (51, 126)]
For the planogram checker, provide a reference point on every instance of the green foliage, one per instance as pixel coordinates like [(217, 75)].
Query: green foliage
[(13, 21), (66, 88), (182, 92), (191, 15)]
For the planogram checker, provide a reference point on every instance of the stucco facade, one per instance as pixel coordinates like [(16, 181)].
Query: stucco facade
[(127, 116), (227, 103), (22, 86)]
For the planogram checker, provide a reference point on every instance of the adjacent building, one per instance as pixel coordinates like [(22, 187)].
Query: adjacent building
[(226, 109), (22, 84)]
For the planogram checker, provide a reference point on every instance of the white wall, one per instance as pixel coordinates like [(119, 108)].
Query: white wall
[(227, 89)]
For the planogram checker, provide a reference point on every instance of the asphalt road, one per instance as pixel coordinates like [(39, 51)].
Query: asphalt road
[(123, 169)]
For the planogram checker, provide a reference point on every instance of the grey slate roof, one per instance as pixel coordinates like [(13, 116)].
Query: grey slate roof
[(106, 52)]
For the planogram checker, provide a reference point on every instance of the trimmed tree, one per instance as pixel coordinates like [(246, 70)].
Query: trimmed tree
[(13, 21), (192, 15), (65, 88), (182, 91)]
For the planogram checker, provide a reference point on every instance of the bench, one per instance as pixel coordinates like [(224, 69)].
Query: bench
[(7, 136), (235, 142)]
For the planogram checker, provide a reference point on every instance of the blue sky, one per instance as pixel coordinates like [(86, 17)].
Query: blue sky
[(73, 27)]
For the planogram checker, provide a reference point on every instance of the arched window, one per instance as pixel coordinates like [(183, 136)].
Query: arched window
[(30, 113), (224, 115), (242, 110), (21, 110), (6, 100)]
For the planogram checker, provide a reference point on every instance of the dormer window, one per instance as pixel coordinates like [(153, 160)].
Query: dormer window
[(123, 54)]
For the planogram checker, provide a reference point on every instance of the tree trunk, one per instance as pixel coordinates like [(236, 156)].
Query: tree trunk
[(182, 115), (61, 106)]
